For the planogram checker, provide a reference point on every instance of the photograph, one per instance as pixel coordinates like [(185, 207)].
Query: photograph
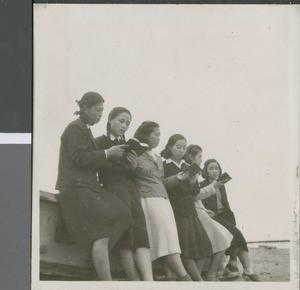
[(165, 146)]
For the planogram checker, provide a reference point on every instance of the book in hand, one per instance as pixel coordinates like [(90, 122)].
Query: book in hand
[(224, 178), (136, 146), (192, 169)]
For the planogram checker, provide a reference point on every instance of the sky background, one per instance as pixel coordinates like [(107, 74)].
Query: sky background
[(218, 75)]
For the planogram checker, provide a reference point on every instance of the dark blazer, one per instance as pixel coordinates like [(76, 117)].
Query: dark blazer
[(79, 158), (115, 169), (181, 196), (211, 203)]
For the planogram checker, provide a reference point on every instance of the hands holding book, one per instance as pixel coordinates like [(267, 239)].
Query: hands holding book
[(182, 176), (116, 151), (224, 178), (189, 172), (135, 146), (133, 149)]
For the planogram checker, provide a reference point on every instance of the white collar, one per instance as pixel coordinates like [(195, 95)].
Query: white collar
[(151, 153), (113, 138), (169, 160)]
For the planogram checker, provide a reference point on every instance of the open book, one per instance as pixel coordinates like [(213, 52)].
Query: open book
[(136, 146), (192, 169), (224, 177)]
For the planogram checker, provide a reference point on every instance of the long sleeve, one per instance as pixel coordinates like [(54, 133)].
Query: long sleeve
[(205, 192), (171, 181), (78, 149)]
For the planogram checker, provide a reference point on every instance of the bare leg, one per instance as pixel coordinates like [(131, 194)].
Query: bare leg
[(101, 259), (233, 256), (214, 264), (144, 264), (128, 263), (245, 259), (169, 274), (248, 271), (192, 269), (200, 264), (175, 264), (221, 267)]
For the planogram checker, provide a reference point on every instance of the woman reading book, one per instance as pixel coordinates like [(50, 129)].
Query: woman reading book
[(196, 237), (223, 214), (116, 177), (150, 183), (94, 218)]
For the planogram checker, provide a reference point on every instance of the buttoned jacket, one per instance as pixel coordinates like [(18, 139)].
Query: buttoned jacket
[(149, 177)]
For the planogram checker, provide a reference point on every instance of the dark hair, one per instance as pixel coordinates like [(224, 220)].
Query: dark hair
[(113, 114), (192, 150), (207, 162), (88, 100), (166, 153), (144, 130)]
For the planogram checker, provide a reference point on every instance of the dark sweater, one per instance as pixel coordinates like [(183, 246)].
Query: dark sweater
[(181, 196)]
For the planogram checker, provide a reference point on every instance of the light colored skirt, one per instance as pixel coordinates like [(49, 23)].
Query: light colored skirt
[(161, 227), (219, 236)]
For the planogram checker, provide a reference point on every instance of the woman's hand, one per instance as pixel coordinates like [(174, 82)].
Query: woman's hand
[(192, 179), (132, 159), (217, 184), (182, 176), (210, 213), (116, 151)]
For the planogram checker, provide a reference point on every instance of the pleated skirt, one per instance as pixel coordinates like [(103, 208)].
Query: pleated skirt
[(90, 216), (136, 236), (161, 227), (219, 236), (193, 239)]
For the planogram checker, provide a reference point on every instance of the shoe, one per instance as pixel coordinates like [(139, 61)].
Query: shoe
[(252, 277), (231, 268), (185, 278), (230, 272), (230, 277)]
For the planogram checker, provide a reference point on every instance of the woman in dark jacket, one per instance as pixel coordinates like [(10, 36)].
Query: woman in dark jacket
[(223, 214), (93, 217), (116, 177)]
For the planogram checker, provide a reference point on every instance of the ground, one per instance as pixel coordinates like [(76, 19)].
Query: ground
[(270, 264)]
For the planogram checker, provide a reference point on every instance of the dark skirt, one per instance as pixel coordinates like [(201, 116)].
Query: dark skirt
[(238, 240), (136, 236), (90, 216), (193, 239)]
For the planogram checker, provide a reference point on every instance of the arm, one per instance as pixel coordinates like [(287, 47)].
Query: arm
[(78, 146), (171, 181), (205, 192)]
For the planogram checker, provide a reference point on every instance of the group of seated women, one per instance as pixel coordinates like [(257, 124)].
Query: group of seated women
[(147, 207)]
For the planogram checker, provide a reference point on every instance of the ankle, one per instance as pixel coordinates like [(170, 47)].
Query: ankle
[(232, 262), (248, 271)]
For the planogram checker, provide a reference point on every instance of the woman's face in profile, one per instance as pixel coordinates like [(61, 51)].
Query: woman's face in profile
[(154, 138), (94, 113)]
